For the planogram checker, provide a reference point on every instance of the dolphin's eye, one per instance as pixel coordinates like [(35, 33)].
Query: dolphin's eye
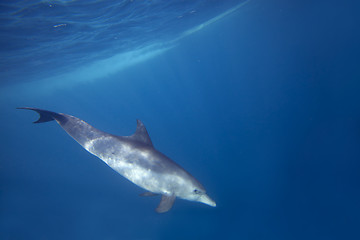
[(197, 191)]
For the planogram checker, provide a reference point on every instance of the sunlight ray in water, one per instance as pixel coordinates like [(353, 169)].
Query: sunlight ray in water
[(91, 72), (103, 68)]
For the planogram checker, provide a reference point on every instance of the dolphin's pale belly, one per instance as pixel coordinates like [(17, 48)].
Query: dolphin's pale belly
[(140, 165)]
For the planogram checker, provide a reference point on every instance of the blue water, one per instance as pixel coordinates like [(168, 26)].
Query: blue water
[(260, 103)]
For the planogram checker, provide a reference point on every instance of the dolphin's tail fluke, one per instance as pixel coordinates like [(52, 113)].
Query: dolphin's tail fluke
[(45, 116)]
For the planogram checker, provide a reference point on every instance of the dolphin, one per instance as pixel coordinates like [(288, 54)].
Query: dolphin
[(135, 158)]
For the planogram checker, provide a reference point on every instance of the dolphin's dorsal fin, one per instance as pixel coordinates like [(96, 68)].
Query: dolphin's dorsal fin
[(165, 203), (141, 134)]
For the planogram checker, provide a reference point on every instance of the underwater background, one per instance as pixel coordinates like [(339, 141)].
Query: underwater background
[(258, 100)]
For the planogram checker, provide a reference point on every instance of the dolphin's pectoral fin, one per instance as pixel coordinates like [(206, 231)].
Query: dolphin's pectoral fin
[(148, 194), (165, 203)]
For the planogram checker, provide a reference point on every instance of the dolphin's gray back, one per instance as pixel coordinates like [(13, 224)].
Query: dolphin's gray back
[(122, 153), (125, 154)]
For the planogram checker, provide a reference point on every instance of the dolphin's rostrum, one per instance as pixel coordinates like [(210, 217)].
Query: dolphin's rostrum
[(135, 158)]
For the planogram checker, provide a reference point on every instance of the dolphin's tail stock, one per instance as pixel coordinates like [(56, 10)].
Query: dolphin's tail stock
[(46, 116)]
